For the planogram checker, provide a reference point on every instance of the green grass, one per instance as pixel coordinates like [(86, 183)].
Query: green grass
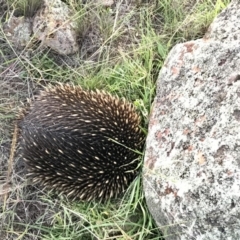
[(132, 43)]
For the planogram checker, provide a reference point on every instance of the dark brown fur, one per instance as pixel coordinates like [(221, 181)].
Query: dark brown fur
[(81, 143)]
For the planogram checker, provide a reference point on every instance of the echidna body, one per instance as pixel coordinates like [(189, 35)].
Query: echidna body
[(81, 143)]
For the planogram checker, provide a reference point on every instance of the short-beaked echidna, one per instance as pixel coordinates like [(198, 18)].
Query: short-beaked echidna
[(81, 143)]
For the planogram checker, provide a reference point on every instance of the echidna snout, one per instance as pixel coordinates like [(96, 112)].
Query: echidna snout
[(81, 143)]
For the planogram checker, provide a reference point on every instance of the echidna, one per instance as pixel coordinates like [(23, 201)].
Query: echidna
[(81, 143)]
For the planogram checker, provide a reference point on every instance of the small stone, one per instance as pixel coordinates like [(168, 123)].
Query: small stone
[(105, 3), (18, 31), (53, 25)]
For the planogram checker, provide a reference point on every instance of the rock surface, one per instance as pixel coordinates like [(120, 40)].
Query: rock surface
[(105, 3), (18, 30), (191, 171), (55, 27)]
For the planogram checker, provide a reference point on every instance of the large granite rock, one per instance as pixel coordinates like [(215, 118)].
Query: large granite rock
[(192, 164)]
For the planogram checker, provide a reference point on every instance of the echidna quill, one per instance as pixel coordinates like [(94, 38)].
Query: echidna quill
[(81, 143)]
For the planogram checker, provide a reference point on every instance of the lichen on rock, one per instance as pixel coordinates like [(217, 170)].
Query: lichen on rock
[(18, 30), (192, 162), (54, 25)]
